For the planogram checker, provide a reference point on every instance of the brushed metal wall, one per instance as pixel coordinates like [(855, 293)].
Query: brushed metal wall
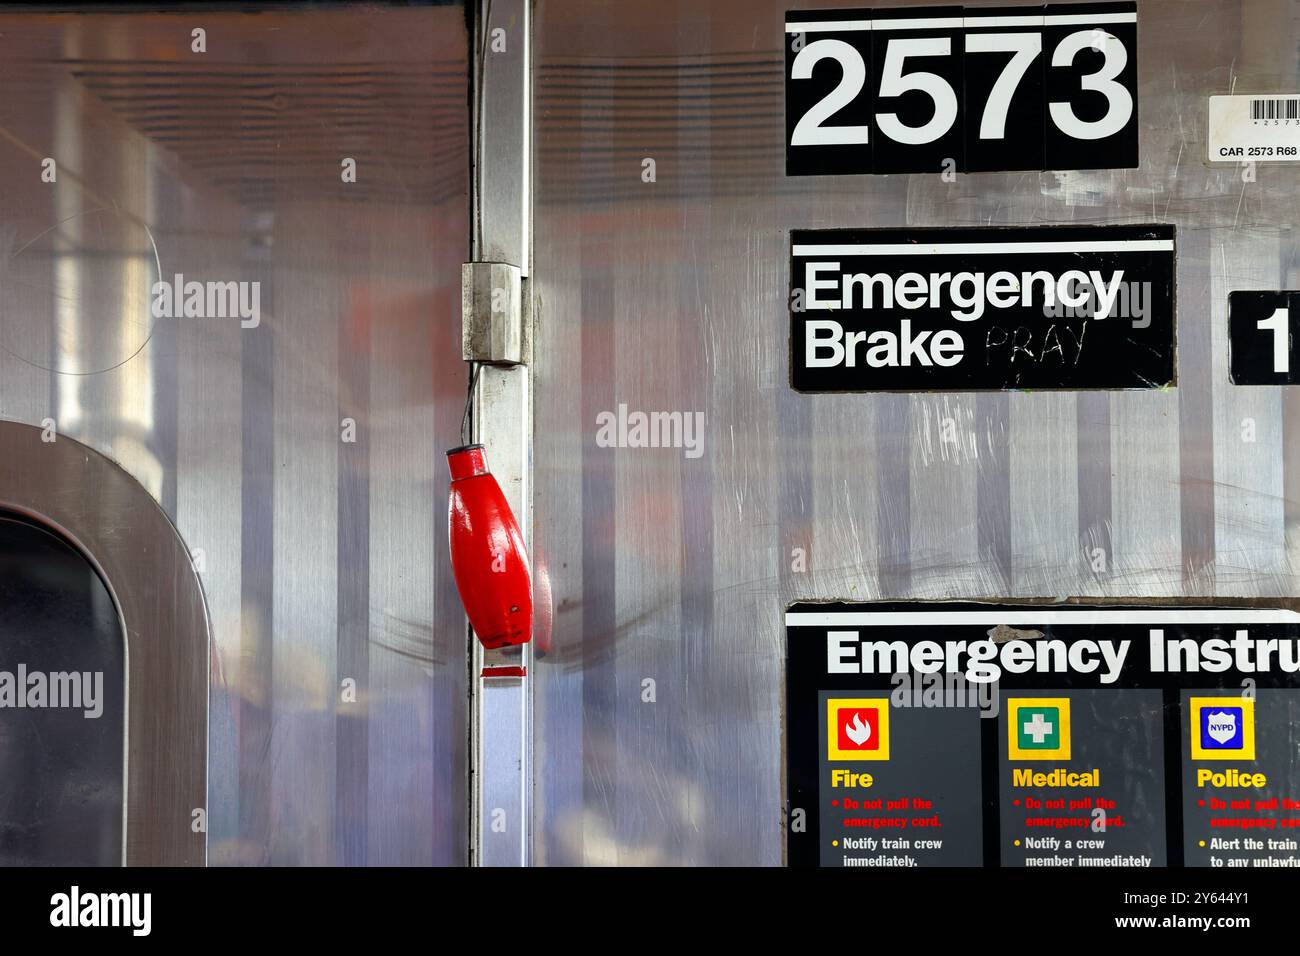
[(323, 560), (671, 296)]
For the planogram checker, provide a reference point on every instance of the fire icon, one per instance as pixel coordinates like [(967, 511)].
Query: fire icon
[(857, 731), (857, 728)]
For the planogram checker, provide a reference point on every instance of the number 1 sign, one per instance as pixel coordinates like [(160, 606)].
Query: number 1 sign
[(1262, 330), (946, 88)]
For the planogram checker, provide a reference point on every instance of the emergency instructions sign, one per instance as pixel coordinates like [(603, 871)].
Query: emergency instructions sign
[(1053, 307), (1062, 736)]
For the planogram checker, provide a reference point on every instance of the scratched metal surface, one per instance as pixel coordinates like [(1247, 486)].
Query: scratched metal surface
[(671, 296), (321, 560)]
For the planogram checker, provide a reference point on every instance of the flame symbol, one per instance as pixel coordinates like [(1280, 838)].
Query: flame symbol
[(858, 730)]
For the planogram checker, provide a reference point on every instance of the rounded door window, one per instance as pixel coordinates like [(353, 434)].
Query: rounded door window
[(62, 694)]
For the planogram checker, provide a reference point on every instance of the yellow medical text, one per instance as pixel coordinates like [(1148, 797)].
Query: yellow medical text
[(1056, 778)]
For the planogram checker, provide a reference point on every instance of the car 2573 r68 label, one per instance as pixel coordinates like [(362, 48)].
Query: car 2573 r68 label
[(1261, 128), (1054, 307)]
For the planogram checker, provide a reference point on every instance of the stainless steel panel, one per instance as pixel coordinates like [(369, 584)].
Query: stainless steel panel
[(301, 459), (503, 706), (503, 132), (671, 296), (502, 681)]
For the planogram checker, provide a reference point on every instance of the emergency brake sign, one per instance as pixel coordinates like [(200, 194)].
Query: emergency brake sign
[(1055, 307)]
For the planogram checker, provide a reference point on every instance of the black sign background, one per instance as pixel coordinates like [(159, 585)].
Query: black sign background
[(1006, 348), (806, 677), (1251, 348), (803, 95), (1064, 85), (1021, 144), (913, 108), (1086, 64)]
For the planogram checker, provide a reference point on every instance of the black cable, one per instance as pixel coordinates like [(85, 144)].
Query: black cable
[(469, 400)]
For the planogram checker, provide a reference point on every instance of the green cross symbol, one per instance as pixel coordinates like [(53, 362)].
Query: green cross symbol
[(1040, 728)]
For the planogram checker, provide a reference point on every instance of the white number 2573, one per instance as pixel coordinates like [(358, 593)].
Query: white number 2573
[(1025, 48)]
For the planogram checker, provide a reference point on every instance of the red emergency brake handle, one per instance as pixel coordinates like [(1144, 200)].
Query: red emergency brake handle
[(488, 555)]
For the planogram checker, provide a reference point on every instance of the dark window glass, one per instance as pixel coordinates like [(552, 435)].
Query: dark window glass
[(62, 667)]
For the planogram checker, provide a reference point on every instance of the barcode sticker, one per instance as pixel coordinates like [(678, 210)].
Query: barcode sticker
[(1260, 128), (1275, 109)]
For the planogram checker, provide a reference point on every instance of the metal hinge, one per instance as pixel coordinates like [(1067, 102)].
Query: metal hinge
[(493, 314)]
